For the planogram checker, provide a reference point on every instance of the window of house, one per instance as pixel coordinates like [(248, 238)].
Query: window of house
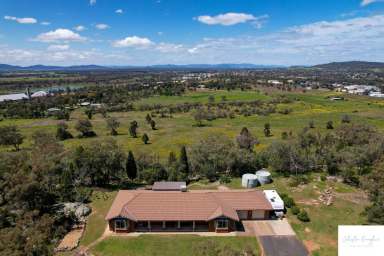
[(120, 224), (222, 223)]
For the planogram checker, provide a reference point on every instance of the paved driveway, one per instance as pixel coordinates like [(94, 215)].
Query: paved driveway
[(276, 237), (282, 246)]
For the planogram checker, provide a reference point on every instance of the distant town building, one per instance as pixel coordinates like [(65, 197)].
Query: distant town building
[(39, 94), (13, 97)]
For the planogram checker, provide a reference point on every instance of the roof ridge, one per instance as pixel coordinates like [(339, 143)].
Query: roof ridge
[(124, 205), (223, 206)]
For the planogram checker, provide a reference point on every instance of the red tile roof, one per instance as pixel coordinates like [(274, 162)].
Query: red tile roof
[(143, 205)]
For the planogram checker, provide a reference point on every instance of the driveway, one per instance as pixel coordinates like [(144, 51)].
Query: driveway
[(282, 246), (276, 237)]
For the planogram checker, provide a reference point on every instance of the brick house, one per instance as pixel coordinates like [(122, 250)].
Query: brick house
[(177, 211)]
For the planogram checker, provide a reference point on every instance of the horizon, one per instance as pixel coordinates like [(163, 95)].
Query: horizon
[(187, 64), (167, 32)]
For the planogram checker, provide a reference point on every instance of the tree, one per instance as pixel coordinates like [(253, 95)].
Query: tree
[(148, 118), (374, 184), (89, 113), (113, 124), (329, 125), (133, 129), (246, 140), (183, 161), (98, 162), (145, 138), (153, 124), (345, 119), (11, 136), (130, 166), (172, 158), (103, 112), (62, 132), (311, 124), (211, 99), (85, 127), (199, 115), (267, 130)]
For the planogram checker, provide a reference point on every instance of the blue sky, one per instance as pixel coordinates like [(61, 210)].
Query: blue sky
[(144, 32)]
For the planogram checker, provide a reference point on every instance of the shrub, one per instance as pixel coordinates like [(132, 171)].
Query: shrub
[(295, 210), (311, 124), (323, 177), (297, 180), (345, 119), (303, 216), (224, 179), (288, 201)]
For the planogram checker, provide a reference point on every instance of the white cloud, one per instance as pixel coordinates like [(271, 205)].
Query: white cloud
[(367, 2), (320, 42), (79, 28), (119, 11), (92, 2), (133, 41), (169, 48), (45, 23), (58, 47), (21, 20), (231, 18), (102, 26), (160, 33), (60, 34)]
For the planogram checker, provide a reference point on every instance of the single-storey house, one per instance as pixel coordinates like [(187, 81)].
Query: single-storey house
[(213, 211)]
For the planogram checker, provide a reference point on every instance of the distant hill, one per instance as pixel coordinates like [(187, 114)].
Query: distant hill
[(5, 67), (351, 65)]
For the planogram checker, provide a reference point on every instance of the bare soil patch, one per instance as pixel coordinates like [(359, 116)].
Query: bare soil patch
[(311, 245)]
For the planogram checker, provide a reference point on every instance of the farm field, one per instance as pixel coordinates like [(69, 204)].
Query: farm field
[(181, 130)]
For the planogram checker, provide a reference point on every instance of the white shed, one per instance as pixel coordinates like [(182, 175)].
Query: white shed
[(249, 180)]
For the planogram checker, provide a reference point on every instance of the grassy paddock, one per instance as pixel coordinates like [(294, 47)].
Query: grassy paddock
[(180, 130), (173, 245)]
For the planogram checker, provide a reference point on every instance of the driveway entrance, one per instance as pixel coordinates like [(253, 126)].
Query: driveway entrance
[(276, 237)]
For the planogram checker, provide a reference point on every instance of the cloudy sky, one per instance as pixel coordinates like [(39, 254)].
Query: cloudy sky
[(133, 32)]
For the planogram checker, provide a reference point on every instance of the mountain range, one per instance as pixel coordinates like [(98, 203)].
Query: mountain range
[(350, 65)]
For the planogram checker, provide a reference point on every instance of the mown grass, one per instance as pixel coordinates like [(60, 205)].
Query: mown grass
[(173, 245), (96, 224)]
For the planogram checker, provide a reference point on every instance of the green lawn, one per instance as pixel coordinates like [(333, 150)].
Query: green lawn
[(101, 202), (175, 245)]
